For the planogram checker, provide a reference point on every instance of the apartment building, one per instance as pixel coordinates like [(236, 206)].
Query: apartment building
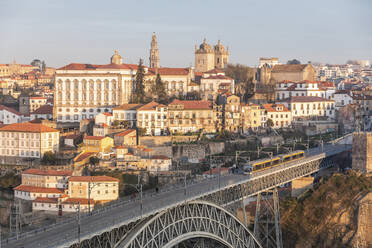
[(213, 83), (191, 116), (153, 118), (9, 115), (279, 115), (28, 140), (250, 117), (287, 89), (310, 107), (126, 113)]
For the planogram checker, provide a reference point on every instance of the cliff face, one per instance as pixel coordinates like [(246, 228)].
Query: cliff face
[(338, 213)]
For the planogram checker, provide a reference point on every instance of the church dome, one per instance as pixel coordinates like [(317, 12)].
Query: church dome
[(205, 47), (116, 58)]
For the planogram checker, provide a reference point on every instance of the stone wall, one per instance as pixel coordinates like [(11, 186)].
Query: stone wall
[(197, 151), (362, 152)]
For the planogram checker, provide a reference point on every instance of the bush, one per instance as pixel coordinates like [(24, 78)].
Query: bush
[(49, 158)]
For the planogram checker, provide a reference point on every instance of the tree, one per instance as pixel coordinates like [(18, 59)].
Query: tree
[(115, 123), (93, 160), (141, 131), (161, 95), (269, 123), (293, 62), (240, 73), (49, 158), (139, 90)]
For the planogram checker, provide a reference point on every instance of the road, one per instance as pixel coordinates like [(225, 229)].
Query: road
[(127, 212)]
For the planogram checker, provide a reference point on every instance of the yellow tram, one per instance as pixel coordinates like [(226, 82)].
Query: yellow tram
[(262, 164)]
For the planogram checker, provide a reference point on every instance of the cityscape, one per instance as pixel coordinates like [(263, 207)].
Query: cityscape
[(196, 139)]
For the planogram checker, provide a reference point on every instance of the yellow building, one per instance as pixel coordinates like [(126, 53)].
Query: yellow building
[(278, 114), (98, 143), (250, 117), (127, 137), (102, 188), (191, 116)]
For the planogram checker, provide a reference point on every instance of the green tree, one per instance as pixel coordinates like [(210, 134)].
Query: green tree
[(159, 90), (139, 91), (269, 123), (93, 160), (116, 123), (49, 158), (293, 62)]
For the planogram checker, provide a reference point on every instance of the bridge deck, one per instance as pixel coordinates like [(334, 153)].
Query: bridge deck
[(128, 212)]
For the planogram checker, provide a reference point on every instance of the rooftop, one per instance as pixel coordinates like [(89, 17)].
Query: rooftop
[(79, 66), (93, 179), (2, 107), (133, 106), (306, 99), (273, 107), (126, 132), (28, 128), (47, 172), (289, 68), (26, 188), (45, 109), (190, 104)]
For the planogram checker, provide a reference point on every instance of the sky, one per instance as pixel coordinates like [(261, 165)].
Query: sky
[(65, 31)]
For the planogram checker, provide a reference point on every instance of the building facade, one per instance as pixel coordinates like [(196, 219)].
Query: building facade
[(208, 57), (153, 118), (154, 53), (28, 140), (279, 115)]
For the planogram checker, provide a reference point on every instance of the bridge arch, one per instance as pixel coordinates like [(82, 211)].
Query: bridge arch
[(191, 220)]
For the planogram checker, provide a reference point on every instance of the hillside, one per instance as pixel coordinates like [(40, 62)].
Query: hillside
[(336, 213)]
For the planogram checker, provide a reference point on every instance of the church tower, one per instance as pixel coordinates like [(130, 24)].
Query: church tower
[(154, 52)]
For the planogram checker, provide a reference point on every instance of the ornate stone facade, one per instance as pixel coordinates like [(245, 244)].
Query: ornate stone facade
[(154, 52), (208, 57)]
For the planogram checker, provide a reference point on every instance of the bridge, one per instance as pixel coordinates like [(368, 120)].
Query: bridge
[(170, 217)]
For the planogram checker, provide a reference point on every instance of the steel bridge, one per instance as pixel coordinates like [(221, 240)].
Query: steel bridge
[(171, 217)]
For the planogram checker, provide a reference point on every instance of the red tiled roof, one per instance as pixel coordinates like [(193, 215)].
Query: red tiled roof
[(2, 107), (46, 200), (306, 99), (47, 172), (34, 189), (125, 133), (79, 66), (131, 106), (44, 110), (93, 179), (28, 128), (150, 106), (169, 71), (272, 107), (83, 156), (288, 68), (192, 104), (218, 77), (38, 98), (94, 137), (82, 201), (107, 114)]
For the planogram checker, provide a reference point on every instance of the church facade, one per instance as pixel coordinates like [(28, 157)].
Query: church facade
[(208, 58)]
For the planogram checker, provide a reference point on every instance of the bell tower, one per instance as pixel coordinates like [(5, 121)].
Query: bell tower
[(154, 52)]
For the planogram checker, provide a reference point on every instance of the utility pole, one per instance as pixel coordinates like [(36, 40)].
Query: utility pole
[(79, 223), (185, 182)]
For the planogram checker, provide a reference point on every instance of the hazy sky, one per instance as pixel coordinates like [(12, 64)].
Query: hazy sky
[(65, 31)]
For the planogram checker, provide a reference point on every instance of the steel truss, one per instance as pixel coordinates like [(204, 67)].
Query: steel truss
[(196, 219), (227, 197)]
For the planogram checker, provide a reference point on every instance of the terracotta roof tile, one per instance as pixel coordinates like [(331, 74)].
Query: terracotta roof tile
[(126, 132), (33, 189), (192, 104), (289, 68), (2, 107), (83, 156), (272, 107), (82, 201), (93, 179), (79, 66), (150, 106), (44, 110), (46, 200), (132, 106), (28, 128), (169, 71), (47, 172), (160, 157)]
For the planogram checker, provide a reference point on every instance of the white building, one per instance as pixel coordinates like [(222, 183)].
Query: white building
[(343, 98), (44, 112), (215, 82), (153, 118), (310, 106), (36, 102), (31, 192), (104, 118), (127, 113), (287, 89), (279, 114), (9, 115), (28, 140), (83, 90)]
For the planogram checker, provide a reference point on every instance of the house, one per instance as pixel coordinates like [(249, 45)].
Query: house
[(102, 188), (127, 113), (293, 72), (310, 106), (343, 98), (98, 144), (28, 140), (127, 138), (44, 112), (9, 115), (214, 82), (153, 118), (250, 116), (191, 116), (104, 118), (279, 115)]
